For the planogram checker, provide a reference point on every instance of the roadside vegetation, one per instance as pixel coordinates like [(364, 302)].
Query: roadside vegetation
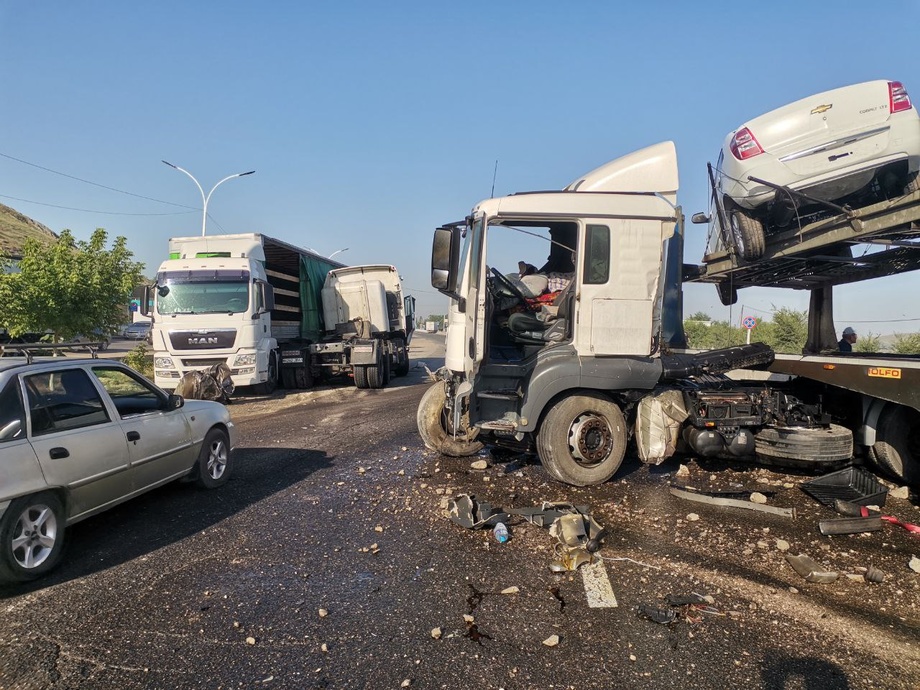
[(141, 360), (786, 332), (67, 287)]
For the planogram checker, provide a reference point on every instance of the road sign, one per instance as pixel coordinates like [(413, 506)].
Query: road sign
[(749, 322)]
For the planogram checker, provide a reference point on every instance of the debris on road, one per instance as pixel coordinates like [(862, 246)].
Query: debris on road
[(914, 564), (810, 570), (511, 590), (467, 512), (729, 502), (685, 607), (875, 575), (657, 615), (852, 484), (551, 641), (850, 525), (436, 633)]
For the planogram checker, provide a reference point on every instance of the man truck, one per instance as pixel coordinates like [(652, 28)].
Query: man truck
[(602, 359), (257, 304)]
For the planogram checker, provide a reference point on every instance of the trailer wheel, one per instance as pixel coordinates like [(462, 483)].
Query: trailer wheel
[(804, 447), (897, 445), (435, 426), (582, 440), (746, 234), (271, 383)]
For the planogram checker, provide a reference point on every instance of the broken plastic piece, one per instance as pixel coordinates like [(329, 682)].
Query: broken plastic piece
[(730, 502), (851, 509), (850, 525), (653, 613), (875, 575), (687, 599), (810, 570), (466, 512)]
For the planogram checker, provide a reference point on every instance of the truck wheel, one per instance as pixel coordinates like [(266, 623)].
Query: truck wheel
[(31, 537), (387, 368), (289, 378), (402, 365), (897, 444), (376, 374), (435, 426), (271, 383), (360, 373), (728, 293), (582, 440), (808, 447), (303, 378), (747, 235)]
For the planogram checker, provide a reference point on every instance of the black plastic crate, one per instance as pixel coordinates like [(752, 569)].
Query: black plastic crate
[(852, 484)]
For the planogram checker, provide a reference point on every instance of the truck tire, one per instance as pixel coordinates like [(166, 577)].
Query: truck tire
[(728, 293), (303, 378), (402, 361), (897, 444), (360, 373), (435, 426), (803, 447), (289, 378), (746, 234), (582, 439), (268, 386)]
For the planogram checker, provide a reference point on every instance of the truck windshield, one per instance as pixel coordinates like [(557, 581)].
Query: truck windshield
[(214, 292)]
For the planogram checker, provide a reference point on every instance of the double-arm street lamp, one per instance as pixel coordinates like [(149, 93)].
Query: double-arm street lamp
[(205, 199)]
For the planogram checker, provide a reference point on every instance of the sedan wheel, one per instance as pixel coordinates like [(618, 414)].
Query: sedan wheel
[(32, 533), (214, 463)]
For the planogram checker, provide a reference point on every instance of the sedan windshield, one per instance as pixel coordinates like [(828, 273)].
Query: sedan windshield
[(214, 293)]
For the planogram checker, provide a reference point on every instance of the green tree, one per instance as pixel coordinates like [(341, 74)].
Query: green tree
[(906, 343), (69, 287), (790, 330), (870, 342)]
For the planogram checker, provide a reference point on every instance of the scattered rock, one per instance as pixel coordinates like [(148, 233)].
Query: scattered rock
[(378, 528), (404, 449), (782, 545), (323, 613), (793, 590), (511, 590), (250, 640), (406, 683), (436, 633), (914, 564), (361, 470), (683, 471), (900, 492), (856, 577), (323, 648), (468, 618), (692, 517), (480, 465), (551, 641), (758, 498), (401, 473)]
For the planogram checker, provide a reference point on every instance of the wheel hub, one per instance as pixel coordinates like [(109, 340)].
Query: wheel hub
[(590, 440)]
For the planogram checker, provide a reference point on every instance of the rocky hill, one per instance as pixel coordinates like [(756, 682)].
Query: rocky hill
[(15, 229)]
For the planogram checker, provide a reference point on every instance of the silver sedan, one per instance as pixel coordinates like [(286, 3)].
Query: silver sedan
[(80, 436)]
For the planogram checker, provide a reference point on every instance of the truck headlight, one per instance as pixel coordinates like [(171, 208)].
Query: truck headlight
[(163, 363), (244, 360)]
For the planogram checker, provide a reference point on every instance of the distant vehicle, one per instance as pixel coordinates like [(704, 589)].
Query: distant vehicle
[(97, 336), (82, 435), (852, 146), (137, 331), (431, 326)]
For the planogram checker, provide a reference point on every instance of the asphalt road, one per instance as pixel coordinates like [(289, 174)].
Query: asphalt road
[(328, 561)]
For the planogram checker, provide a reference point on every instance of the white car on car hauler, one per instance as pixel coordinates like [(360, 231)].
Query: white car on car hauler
[(851, 146)]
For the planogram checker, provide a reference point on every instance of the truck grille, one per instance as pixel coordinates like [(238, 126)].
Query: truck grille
[(205, 339)]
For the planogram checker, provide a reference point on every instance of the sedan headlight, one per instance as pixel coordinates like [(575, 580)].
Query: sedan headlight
[(244, 360), (163, 363)]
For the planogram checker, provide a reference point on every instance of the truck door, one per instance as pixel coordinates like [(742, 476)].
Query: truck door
[(618, 274), (474, 288)]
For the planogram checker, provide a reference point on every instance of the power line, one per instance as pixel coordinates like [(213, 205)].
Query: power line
[(87, 210), (95, 184)]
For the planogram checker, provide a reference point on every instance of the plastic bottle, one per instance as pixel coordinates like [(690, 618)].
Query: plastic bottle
[(501, 533)]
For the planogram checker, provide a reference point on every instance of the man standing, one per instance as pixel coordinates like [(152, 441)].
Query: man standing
[(846, 342)]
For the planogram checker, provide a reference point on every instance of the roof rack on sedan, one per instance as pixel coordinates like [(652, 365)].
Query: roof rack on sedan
[(30, 350)]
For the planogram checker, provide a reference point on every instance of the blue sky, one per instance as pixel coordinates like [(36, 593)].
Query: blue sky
[(371, 123)]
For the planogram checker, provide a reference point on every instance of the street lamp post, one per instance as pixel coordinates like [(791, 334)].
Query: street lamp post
[(205, 199), (338, 251)]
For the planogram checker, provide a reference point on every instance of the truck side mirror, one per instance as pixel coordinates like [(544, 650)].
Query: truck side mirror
[(699, 218), (268, 297), (445, 260), (144, 306)]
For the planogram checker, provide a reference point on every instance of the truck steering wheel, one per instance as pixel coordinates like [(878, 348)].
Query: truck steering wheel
[(499, 278)]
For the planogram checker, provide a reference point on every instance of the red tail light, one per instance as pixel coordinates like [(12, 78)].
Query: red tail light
[(898, 99), (744, 145)]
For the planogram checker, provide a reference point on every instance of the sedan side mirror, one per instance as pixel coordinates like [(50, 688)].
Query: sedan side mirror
[(174, 402), (699, 218), (11, 430)]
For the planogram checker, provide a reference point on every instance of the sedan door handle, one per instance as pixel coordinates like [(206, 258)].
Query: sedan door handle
[(134, 436), (58, 453)]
